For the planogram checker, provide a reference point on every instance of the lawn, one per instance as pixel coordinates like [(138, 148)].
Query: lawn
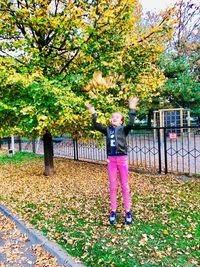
[(72, 208)]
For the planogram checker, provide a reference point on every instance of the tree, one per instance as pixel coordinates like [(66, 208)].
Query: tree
[(186, 34), (56, 55), (181, 88), (180, 60)]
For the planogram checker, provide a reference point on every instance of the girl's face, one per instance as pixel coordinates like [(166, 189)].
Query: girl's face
[(117, 119)]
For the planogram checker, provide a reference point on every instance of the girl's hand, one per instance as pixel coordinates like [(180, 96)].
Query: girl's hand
[(133, 102), (90, 108)]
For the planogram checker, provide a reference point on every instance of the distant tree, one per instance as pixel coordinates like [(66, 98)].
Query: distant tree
[(186, 35), (181, 88), (180, 61)]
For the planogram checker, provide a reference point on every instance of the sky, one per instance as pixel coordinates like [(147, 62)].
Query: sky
[(158, 5)]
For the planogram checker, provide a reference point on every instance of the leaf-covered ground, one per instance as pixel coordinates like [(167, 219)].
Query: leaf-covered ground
[(72, 207), (17, 250)]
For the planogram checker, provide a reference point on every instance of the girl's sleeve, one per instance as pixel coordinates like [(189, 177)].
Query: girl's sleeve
[(98, 126), (130, 123)]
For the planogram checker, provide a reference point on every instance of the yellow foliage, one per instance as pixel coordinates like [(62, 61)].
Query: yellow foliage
[(58, 49), (100, 83)]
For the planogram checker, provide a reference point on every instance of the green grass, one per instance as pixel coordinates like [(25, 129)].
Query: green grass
[(197, 175), (18, 157), (169, 242)]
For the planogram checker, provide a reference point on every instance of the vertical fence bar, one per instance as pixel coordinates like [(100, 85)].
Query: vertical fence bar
[(177, 158), (195, 154), (188, 150), (13, 144), (165, 150), (20, 144), (33, 146), (74, 145), (159, 151), (9, 143), (182, 150), (76, 142)]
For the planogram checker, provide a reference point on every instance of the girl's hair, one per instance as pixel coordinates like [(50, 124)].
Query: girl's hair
[(122, 119)]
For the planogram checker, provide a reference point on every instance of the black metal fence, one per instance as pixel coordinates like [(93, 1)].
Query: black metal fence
[(160, 149)]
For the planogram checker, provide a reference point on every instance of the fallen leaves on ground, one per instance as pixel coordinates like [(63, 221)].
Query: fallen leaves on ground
[(72, 208), (17, 250)]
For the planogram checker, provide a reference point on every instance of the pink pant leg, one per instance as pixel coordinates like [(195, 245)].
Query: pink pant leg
[(112, 173), (122, 164)]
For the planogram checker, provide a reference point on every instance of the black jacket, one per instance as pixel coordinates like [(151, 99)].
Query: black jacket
[(120, 133)]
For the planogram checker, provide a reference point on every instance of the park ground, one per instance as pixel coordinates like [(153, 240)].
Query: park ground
[(17, 250), (72, 208)]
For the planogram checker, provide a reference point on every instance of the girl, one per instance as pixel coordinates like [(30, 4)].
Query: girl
[(117, 156)]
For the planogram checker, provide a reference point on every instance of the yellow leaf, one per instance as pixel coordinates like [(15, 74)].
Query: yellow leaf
[(165, 232)]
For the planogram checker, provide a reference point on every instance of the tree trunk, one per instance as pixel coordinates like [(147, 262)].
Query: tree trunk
[(48, 154), (150, 114)]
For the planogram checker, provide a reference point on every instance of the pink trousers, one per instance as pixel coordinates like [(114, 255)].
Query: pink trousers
[(119, 164)]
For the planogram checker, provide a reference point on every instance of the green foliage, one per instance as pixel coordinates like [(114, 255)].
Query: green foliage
[(182, 88), (51, 50)]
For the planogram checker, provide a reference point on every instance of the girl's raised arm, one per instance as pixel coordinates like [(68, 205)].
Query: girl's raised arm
[(98, 126), (90, 108), (132, 105)]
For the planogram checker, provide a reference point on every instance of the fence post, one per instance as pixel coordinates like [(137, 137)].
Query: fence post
[(33, 146), (77, 149), (20, 144), (9, 143), (159, 151), (165, 150), (74, 148), (75, 144)]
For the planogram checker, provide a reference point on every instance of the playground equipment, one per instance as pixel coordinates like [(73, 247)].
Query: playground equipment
[(176, 117)]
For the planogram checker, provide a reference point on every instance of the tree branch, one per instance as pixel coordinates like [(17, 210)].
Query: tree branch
[(67, 64), (56, 5), (4, 52)]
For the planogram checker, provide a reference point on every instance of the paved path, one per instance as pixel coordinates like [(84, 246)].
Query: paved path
[(16, 250), (23, 246)]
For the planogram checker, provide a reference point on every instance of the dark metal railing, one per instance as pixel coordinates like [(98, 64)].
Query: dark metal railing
[(156, 149)]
